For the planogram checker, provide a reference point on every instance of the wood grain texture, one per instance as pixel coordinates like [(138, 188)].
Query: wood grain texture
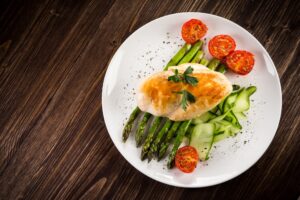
[(53, 58)]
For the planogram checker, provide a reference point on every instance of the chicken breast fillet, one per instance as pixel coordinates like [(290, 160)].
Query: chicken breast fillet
[(156, 94)]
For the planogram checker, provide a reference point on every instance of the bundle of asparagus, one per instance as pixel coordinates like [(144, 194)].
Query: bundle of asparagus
[(154, 141)]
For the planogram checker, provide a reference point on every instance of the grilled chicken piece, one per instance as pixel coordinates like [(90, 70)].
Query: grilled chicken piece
[(156, 94)]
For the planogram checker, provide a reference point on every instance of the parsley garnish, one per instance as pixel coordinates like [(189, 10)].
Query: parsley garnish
[(177, 77), (187, 97)]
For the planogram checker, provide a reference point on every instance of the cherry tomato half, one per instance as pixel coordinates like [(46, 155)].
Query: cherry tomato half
[(221, 45), (186, 159), (193, 30), (240, 61)]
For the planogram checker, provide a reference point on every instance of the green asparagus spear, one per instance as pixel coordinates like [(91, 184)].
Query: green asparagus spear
[(141, 129), (189, 56), (150, 137), (197, 58), (213, 64), (204, 62), (222, 69), (189, 132), (154, 146), (164, 146), (178, 56), (181, 132), (129, 123)]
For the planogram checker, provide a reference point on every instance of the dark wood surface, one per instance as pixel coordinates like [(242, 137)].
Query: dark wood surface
[(53, 58)]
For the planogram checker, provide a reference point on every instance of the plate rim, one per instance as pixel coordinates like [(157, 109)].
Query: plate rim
[(235, 174)]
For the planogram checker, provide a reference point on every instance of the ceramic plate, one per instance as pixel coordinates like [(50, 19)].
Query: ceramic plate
[(146, 51)]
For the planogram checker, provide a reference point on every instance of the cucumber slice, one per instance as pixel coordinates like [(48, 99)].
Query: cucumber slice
[(202, 139), (232, 128), (220, 117), (242, 102), (225, 129), (229, 102), (221, 136), (204, 118), (233, 119), (220, 106), (240, 116), (224, 125)]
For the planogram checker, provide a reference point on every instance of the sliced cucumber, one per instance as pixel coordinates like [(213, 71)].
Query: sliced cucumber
[(229, 102), (220, 117), (231, 98), (220, 105), (240, 116), (232, 128), (242, 102), (233, 119), (211, 127), (204, 118), (221, 136), (225, 129), (202, 139)]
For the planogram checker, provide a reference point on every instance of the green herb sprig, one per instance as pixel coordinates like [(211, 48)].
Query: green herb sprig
[(185, 77), (187, 98)]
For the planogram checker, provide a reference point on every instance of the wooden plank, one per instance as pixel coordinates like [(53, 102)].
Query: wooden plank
[(53, 140)]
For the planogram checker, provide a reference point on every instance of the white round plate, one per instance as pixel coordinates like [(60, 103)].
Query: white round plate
[(146, 51)]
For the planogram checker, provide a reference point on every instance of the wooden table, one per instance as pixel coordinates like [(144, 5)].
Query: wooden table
[(54, 143)]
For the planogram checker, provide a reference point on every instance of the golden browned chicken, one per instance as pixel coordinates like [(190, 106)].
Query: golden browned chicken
[(158, 96)]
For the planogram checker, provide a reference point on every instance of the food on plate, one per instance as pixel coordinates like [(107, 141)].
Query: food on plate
[(160, 136), (186, 159), (202, 138), (211, 128), (213, 64), (222, 69), (197, 58), (193, 30), (178, 140), (129, 123), (191, 98), (158, 94), (240, 61), (179, 55), (150, 137), (139, 136), (163, 147), (221, 45), (189, 56)]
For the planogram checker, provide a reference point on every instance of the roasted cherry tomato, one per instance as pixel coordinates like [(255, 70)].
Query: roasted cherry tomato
[(221, 45), (193, 30), (186, 159), (240, 61)]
